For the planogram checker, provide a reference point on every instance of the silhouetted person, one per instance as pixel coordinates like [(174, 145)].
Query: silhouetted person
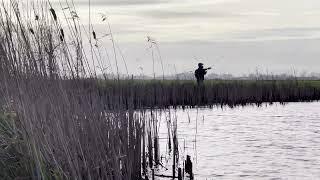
[(200, 72)]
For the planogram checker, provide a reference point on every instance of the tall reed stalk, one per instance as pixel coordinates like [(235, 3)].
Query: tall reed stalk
[(59, 123)]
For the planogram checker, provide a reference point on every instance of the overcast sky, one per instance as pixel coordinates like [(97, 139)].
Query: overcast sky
[(236, 36), (208, 20)]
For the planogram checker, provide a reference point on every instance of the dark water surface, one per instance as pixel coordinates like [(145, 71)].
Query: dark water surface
[(268, 142)]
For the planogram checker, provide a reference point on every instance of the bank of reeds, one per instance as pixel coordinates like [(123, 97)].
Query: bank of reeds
[(58, 121), (61, 130), (175, 93)]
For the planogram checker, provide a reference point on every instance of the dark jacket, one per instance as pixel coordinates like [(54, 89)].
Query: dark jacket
[(199, 74)]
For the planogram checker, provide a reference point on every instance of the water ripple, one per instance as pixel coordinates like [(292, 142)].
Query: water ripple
[(274, 142)]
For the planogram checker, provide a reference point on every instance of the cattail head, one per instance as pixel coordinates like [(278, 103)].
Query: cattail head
[(37, 18), (53, 12), (31, 30), (61, 34), (94, 35)]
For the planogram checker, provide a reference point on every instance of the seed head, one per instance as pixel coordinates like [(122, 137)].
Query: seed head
[(53, 12), (31, 30), (61, 34), (94, 35)]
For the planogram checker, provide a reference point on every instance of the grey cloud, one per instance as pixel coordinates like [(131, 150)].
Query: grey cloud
[(164, 14), (277, 33), (119, 2)]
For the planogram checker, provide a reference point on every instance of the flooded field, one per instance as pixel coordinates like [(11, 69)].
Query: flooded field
[(268, 142)]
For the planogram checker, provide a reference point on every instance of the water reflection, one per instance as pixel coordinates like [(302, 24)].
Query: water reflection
[(281, 142)]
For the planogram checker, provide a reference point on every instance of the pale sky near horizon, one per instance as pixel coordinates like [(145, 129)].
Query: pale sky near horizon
[(236, 36)]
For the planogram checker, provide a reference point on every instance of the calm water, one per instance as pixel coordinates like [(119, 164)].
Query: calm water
[(269, 142)]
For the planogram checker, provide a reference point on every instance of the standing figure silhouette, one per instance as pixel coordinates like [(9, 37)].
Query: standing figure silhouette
[(200, 72)]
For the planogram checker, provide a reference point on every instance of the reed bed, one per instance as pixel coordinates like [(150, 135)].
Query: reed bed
[(59, 121), (182, 94), (65, 131), (55, 123)]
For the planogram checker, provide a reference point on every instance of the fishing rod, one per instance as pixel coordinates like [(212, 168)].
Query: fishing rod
[(210, 67)]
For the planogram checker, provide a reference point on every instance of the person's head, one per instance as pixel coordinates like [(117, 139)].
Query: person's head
[(200, 65)]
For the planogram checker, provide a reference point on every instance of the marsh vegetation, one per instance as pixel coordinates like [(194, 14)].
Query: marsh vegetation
[(59, 121)]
